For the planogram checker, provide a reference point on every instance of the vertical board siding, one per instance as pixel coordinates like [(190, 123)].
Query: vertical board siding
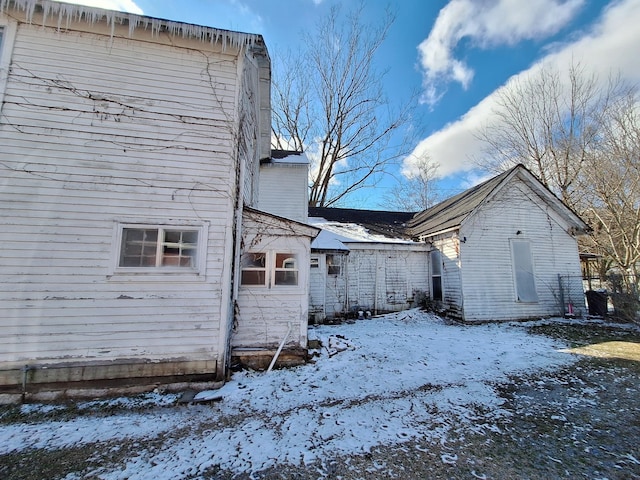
[(382, 278), (95, 130), (488, 277)]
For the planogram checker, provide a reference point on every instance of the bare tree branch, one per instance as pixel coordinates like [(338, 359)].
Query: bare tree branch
[(328, 100)]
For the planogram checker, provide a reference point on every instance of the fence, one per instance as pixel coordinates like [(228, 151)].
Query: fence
[(612, 295)]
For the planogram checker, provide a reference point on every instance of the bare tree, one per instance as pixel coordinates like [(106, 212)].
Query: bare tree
[(550, 124), (582, 140), (419, 191), (611, 182), (328, 100)]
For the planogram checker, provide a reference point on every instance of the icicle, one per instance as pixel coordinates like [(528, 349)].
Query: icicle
[(70, 13)]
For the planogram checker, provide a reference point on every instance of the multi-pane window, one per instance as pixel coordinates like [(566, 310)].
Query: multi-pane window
[(269, 269), (254, 269), (158, 247), (286, 269)]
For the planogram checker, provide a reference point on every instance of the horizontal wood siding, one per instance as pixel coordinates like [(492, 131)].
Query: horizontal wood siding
[(265, 312), (96, 130), (488, 277), (283, 190), (452, 295)]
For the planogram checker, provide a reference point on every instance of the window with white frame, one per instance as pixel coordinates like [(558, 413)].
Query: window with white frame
[(270, 269), (160, 248)]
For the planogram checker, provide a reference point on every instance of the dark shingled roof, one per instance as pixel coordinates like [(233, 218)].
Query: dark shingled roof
[(451, 212), (390, 224), (283, 153), (446, 215)]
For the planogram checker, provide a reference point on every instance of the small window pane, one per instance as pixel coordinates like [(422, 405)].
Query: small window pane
[(284, 277), (253, 260), (253, 277)]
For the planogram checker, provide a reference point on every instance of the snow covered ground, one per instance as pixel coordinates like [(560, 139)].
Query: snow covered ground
[(391, 380)]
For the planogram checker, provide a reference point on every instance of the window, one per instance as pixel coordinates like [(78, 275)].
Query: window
[(333, 265), (269, 269), (286, 272), (254, 269), (160, 248), (315, 262), (523, 271), (436, 275)]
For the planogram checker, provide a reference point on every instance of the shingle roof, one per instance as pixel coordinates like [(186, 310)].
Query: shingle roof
[(447, 215), (390, 224), (451, 212)]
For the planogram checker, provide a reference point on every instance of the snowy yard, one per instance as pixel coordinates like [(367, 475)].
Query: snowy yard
[(392, 397)]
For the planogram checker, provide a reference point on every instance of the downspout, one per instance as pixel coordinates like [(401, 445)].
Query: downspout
[(237, 232), (375, 287)]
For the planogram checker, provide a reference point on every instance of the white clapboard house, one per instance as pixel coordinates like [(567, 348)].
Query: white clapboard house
[(134, 250), (505, 249), (363, 262)]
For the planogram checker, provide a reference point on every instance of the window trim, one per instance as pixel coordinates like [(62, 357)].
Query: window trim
[(160, 271), (271, 269)]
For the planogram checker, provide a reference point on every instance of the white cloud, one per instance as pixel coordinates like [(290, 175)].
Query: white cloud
[(120, 5), (484, 23), (612, 46)]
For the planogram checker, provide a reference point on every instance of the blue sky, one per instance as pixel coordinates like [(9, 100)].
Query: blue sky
[(457, 53)]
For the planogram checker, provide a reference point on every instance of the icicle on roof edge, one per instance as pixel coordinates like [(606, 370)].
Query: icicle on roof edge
[(67, 13)]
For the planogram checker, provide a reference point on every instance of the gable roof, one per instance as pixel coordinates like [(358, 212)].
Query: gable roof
[(450, 214), (378, 222)]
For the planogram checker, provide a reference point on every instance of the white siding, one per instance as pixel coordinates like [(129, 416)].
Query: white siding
[(265, 312), (378, 278), (487, 270), (95, 130), (284, 190), (449, 248)]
